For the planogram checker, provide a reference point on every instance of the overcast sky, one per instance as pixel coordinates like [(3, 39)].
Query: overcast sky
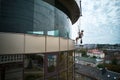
[(100, 21)]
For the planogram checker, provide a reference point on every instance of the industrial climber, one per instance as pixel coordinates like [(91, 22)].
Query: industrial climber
[(80, 35)]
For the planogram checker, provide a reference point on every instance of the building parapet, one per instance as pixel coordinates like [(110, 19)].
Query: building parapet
[(15, 43)]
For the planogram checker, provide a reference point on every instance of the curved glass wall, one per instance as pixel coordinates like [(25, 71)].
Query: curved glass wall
[(33, 17)]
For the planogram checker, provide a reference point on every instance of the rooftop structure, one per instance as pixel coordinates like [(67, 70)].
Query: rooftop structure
[(96, 53), (112, 54)]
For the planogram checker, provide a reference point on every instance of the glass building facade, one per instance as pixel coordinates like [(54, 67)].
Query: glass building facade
[(49, 66), (33, 17), (35, 39)]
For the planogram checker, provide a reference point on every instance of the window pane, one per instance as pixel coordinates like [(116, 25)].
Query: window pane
[(52, 62), (33, 67)]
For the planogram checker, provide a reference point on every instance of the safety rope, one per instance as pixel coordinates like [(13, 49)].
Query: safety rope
[(79, 24)]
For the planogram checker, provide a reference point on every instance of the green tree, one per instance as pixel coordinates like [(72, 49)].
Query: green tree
[(84, 52), (114, 61), (100, 65)]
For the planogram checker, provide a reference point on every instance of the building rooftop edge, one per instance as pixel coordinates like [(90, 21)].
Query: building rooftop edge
[(69, 7)]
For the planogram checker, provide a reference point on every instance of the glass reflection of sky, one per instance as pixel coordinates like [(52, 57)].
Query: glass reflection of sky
[(100, 21)]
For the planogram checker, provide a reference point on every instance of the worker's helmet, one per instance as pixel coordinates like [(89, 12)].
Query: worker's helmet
[(82, 31)]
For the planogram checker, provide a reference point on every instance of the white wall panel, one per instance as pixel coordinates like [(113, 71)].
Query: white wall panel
[(63, 44), (52, 44), (34, 44), (11, 43)]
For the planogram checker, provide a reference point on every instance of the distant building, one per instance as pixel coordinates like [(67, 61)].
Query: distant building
[(90, 46), (112, 55), (95, 52)]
